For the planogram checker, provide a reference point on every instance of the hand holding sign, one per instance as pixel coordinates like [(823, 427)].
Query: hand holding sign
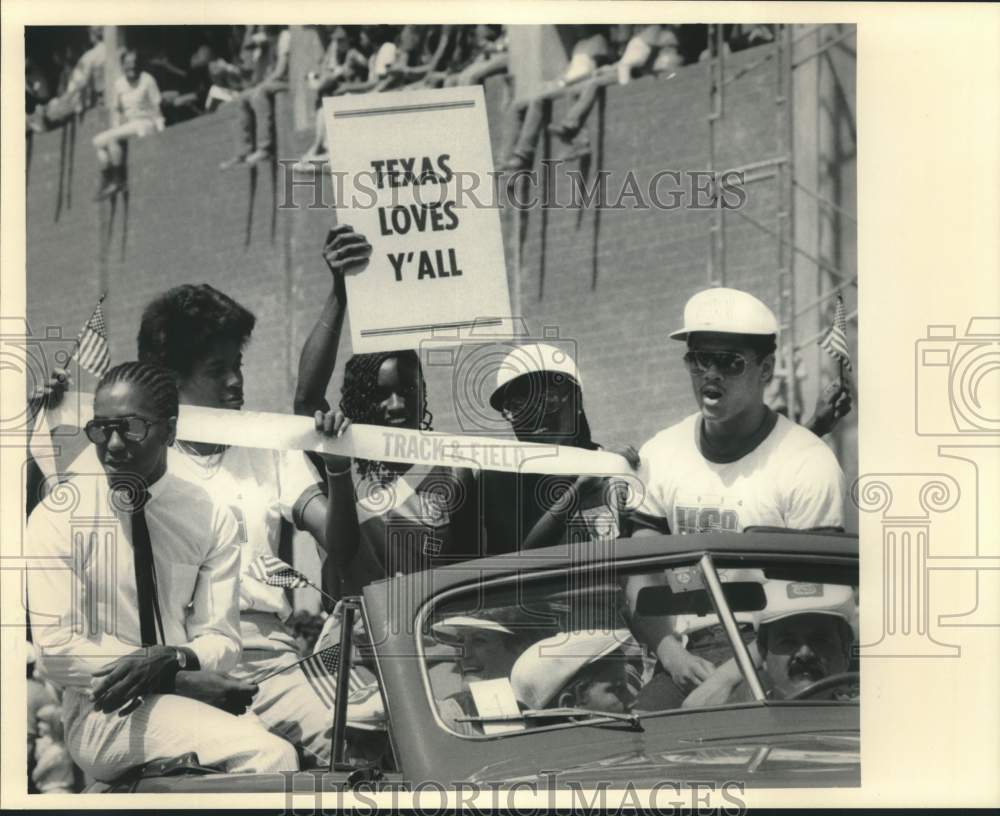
[(419, 181), (346, 252)]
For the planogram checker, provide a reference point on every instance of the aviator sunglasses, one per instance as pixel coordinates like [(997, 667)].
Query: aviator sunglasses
[(727, 363), (131, 428)]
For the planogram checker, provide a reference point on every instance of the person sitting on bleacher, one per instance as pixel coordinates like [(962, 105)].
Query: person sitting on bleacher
[(135, 113), (487, 58), (649, 49), (85, 88), (269, 48), (589, 53)]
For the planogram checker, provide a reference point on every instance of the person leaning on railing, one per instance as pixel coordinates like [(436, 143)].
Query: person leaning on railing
[(135, 113), (526, 119)]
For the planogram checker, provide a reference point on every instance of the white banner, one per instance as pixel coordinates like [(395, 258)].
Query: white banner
[(258, 429), (408, 169)]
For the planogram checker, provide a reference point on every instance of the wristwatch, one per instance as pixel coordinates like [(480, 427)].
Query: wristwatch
[(181, 657)]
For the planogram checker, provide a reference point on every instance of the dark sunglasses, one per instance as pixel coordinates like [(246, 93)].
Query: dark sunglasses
[(727, 363), (548, 397), (131, 429)]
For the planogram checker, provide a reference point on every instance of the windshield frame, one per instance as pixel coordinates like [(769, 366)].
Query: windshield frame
[(695, 557)]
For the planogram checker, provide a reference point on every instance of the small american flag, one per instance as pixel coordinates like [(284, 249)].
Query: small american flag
[(92, 343), (835, 341), (272, 571), (320, 670)]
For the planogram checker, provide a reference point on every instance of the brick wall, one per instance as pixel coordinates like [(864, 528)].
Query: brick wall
[(613, 281)]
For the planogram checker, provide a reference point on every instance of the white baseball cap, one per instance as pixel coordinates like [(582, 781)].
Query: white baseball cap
[(726, 311), (532, 358), (788, 598), (545, 667)]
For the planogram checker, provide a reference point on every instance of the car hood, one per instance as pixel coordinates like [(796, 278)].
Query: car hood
[(800, 760)]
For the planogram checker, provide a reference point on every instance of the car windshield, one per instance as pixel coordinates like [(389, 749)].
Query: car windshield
[(541, 651)]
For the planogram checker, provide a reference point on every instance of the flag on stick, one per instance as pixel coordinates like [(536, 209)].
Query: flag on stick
[(321, 669), (271, 570), (835, 341), (92, 343)]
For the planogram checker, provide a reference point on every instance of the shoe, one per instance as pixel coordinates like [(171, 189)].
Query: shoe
[(564, 132), (311, 163), (108, 189), (235, 161), (109, 186), (258, 157), (515, 163), (36, 123), (578, 148)]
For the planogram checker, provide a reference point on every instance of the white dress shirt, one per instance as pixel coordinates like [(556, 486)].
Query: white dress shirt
[(81, 586)]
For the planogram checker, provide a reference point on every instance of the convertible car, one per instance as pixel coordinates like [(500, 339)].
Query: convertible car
[(528, 667)]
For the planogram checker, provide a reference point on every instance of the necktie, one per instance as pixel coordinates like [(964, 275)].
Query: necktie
[(145, 579)]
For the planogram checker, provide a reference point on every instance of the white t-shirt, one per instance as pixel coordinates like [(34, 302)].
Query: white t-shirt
[(139, 101), (791, 479), (262, 487)]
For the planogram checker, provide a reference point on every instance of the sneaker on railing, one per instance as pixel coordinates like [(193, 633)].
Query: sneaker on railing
[(563, 131), (516, 162), (235, 161), (578, 148), (311, 162), (259, 157)]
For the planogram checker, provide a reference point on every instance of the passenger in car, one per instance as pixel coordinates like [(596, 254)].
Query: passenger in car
[(732, 464), (594, 670), (199, 334), (539, 392), (141, 657), (489, 650), (389, 518), (393, 518)]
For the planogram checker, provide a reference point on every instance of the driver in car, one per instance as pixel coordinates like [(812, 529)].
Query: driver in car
[(804, 635)]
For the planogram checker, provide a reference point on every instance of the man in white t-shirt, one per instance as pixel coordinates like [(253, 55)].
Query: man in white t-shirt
[(135, 113), (735, 463)]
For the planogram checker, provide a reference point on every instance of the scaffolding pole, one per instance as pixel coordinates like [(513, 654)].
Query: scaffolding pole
[(716, 110), (785, 137)]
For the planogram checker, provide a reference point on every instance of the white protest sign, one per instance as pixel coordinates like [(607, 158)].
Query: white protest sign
[(412, 172)]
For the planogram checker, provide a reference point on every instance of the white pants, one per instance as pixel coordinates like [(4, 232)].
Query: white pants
[(168, 725), (288, 705)]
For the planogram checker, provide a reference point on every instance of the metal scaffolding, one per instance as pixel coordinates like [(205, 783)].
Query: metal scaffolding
[(797, 323)]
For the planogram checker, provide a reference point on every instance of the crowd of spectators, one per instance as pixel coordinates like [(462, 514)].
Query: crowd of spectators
[(171, 74), (50, 768)]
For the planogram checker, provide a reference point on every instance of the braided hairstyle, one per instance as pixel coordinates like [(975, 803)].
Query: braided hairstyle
[(155, 381), (180, 324), (357, 401)]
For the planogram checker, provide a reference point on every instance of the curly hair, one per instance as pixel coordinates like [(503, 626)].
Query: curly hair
[(357, 401), (180, 324), (157, 382)]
